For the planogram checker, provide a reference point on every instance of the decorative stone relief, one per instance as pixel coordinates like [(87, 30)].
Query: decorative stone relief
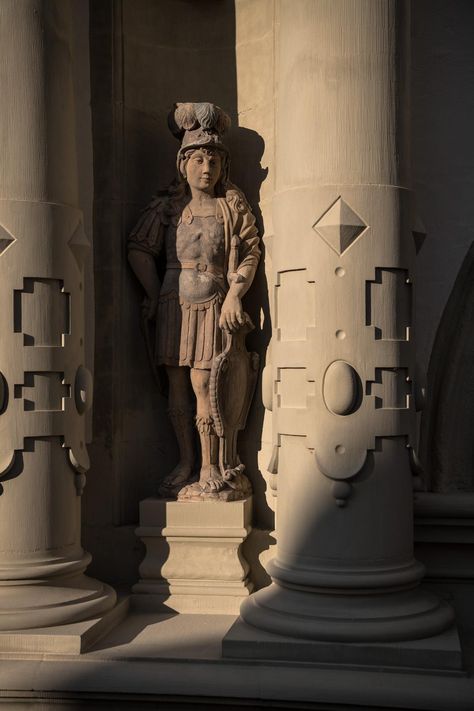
[(389, 304), (342, 389), (391, 388), (340, 226), (42, 581), (79, 245), (357, 315), (83, 390), (419, 233), (43, 391), (289, 283), (42, 296), (43, 309), (194, 324), (292, 387), (6, 239)]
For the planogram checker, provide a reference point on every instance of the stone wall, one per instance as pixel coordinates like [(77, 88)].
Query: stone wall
[(145, 55)]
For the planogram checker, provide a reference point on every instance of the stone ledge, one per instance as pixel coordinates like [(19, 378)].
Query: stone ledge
[(179, 657), (444, 535), (71, 639), (202, 601), (441, 653), (444, 506)]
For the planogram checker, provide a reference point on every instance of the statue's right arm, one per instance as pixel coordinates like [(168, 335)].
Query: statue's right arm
[(144, 246), (144, 266)]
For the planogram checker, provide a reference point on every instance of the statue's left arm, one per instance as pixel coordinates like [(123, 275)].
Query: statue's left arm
[(245, 242)]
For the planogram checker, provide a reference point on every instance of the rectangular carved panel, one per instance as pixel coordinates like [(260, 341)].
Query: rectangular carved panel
[(293, 388), (390, 388), (43, 391), (41, 311), (388, 304), (292, 319)]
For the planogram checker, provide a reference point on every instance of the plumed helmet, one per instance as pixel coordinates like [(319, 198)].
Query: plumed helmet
[(198, 125)]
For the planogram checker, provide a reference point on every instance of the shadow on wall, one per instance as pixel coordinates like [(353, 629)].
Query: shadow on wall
[(443, 153), (447, 423), (247, 148), (145, 56), (443, 179)]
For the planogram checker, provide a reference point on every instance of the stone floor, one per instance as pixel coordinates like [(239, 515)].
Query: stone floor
[(174, 661)]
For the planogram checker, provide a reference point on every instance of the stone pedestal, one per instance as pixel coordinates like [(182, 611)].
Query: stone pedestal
[(193, 561)]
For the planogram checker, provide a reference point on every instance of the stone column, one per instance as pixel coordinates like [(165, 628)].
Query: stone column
[(343, 349), (44, 387)]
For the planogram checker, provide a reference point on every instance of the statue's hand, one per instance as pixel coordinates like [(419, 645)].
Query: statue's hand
[(149, 307), (232, 314)]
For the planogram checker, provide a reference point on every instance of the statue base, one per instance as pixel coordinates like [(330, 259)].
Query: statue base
[(237, 488), (193, 561)]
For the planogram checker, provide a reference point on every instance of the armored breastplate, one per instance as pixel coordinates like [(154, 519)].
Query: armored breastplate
[(198, 244)]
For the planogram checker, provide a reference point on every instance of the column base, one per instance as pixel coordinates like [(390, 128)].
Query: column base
[(338, 616), (193, 561), (68, 639), (33, 604), (441, 652)]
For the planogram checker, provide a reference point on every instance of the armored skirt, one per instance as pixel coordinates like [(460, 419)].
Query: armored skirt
[(188, 333)]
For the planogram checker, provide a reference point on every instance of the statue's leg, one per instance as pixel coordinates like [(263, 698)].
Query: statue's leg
[(210, 475), (181, 416)]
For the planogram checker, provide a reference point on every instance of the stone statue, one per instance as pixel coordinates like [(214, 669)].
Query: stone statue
[(193, 321)]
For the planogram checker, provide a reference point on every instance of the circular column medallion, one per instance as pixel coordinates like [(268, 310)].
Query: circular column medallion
[(342, 388)]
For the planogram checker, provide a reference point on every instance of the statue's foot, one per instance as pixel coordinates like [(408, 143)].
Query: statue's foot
[(175, 481), (210, 479), (211, 486)]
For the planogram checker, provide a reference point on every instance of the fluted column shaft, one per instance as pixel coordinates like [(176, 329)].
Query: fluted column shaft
[(343, 348), (44, 387)]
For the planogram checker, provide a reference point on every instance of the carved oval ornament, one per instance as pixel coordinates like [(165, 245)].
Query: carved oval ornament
[(3, 393), (342, 388), (83, 389)]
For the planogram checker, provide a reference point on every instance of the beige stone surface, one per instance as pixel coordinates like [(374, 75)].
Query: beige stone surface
[(47, 388), (194, 560), (229, 46), (440, 76), (67, 639), (343, 356), (255, 77), (179, 656), (441, 652)]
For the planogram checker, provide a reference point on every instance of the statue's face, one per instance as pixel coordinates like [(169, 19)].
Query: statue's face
[(203, 170)]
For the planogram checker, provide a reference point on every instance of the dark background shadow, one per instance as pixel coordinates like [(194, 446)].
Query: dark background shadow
[(248, 173), (442, 79)]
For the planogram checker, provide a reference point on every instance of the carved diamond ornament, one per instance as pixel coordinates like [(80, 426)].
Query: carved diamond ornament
[(6, 239), (419, 233), (79, 245), (339, 226)]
